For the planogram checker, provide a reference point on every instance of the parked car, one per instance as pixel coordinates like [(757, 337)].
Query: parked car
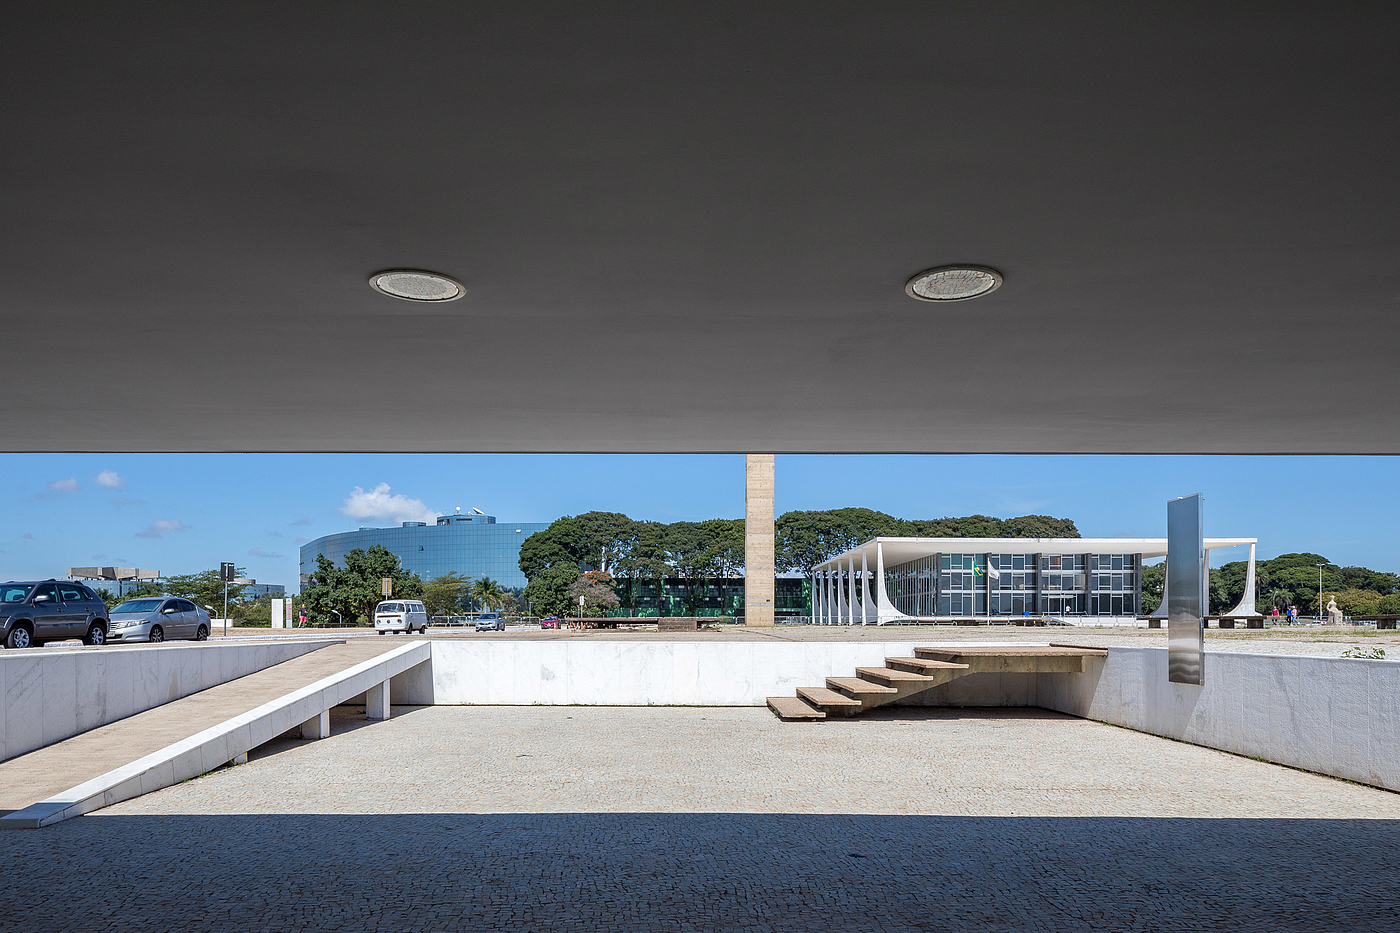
[(157, 619), (549, 622), (400, 615), (35, 612), (490, 622)]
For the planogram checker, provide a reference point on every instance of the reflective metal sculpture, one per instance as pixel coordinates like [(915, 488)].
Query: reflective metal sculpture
[(1186, 589)]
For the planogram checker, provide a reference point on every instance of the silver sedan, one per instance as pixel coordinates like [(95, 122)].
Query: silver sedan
[(156, 619)]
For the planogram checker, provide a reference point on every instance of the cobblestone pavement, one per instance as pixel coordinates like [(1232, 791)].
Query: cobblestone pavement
[(665, 819)]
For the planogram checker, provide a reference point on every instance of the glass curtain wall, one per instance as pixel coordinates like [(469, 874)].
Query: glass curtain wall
[(962, 585), (1014, 593), (913, 587), (1062, 578), (957, 585), (711, 597), (1114, 585)]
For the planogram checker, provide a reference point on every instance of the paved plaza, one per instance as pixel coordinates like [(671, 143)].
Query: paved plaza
[(622, 819)]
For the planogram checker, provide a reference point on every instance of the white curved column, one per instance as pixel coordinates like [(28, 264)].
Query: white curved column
[(885, 610), (826, 596), (865, 604), (1161, 611), (851, 591), (1246, 604)]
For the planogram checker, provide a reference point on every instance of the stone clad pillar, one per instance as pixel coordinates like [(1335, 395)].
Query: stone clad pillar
[(758, 540)]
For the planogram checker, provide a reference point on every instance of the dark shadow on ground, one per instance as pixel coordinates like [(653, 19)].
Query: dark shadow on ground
[(930, 713), (698, 872), (344, 718)]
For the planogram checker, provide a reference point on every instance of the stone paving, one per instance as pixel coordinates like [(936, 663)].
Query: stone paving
[(617, 819)]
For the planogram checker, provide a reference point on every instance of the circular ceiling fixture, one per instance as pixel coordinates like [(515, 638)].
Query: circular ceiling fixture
[(953, 283), (416, 285)]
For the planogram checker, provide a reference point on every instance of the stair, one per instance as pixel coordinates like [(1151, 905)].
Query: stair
[(930, 667), (792, 709), (859, 689), (830, 702)]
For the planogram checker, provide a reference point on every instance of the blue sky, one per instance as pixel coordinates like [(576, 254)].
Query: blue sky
[(179, 513)]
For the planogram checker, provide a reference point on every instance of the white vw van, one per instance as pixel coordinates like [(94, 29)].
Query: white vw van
[(400, 615)]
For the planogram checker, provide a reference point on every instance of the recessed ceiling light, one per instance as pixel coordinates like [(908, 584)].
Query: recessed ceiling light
[(416, 285), (953, 283)]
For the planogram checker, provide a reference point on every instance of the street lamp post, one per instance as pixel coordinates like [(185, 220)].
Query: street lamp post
[(340, 617)]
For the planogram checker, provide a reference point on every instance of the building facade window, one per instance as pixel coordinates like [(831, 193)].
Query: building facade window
[(1013, 593), (1114, 585)]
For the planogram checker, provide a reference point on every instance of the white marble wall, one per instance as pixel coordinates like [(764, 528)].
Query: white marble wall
[(51, 695), (634, 673), (1336, 716)]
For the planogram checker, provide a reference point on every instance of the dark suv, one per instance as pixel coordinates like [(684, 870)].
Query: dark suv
[(50, 610)]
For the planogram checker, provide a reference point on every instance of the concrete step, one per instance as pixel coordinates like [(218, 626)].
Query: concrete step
[(889, 677), (1030, 659), (829, 701), (792, 709), (927, 667), (860, 689)]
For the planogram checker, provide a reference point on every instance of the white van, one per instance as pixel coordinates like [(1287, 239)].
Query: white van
[(400, 615)]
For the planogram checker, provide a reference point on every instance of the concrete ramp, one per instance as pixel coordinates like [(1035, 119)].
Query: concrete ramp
[(199, 733)]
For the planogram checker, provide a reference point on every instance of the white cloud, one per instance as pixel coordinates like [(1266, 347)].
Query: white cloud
[(110, 479), (259, 552), (122, 502), (161, 526), (306, 521), (61, 487), (379, 504)]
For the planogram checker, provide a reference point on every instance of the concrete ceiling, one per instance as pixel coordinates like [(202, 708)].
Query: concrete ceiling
[(687, 227)]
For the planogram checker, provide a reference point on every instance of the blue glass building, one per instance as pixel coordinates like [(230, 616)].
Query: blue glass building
[(472, 545)]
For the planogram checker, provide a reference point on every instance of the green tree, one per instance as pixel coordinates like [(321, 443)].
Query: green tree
[(548, 591), (604, 538), (354, 590), (563, 542), (487, 593), (645, 562), (205, 588), (256, 612), (445, 594), (726, 537), (596, 589), (1154, 578), (1277, 598), (1357, 602), (806, 539), (690, 553)]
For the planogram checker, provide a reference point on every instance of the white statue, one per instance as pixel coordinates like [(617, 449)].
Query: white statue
[(1334, 615)]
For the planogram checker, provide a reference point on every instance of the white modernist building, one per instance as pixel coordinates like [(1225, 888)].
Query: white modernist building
[(963, 579)]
